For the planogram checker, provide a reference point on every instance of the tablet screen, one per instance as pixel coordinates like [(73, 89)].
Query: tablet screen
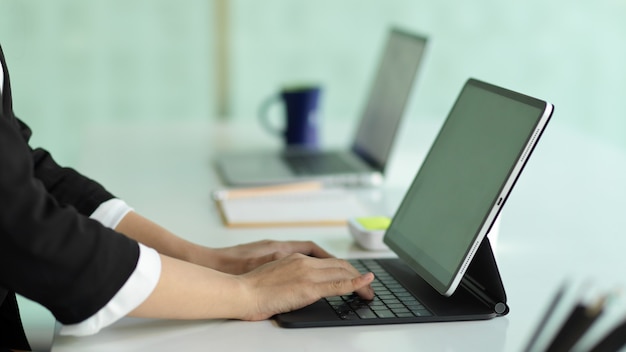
[(461, 180)]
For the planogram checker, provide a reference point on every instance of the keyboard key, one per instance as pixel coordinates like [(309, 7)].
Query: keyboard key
[(365, 313), (396, 305), (405, 315), (400, 310), (349, 315), (422, 313), (385, 314)]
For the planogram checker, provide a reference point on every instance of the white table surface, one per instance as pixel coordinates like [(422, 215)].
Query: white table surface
[(564, 219)]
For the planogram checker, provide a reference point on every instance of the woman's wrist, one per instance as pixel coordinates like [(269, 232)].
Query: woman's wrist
[(204, 256), (250, 307)]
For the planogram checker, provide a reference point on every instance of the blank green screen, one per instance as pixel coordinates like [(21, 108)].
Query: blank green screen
[(460, 180)]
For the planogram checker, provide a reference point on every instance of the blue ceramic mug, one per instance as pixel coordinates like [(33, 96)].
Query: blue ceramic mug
[(301, 106)]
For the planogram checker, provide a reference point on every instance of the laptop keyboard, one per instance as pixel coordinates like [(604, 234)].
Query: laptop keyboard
[(392, 300), (316, 164)]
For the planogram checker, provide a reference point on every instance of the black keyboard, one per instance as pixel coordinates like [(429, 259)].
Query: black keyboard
[(316, 164), (392, 300)]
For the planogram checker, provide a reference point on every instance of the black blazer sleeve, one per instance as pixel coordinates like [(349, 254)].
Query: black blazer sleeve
[(50, 251)]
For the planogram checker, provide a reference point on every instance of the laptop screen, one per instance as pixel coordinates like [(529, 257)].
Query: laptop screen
[(388, 97), (464, 178)]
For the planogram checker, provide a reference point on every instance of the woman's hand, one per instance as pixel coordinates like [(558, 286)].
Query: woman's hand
[(298, 280), (243, 258), (189, 291)]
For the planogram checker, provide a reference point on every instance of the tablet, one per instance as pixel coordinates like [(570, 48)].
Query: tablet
[(465, 180)]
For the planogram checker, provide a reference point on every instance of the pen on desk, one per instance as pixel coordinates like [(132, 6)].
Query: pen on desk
[(577, 323), (613, 341), (546, 317)]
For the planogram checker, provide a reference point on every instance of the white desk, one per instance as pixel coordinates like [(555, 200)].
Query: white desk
[(565, 218)]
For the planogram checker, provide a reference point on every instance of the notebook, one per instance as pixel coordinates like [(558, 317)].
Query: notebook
[(445, 269), (364, 163), (292, 204)]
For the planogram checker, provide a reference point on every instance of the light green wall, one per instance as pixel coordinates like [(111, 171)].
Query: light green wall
[(572, 53), (76, 61)]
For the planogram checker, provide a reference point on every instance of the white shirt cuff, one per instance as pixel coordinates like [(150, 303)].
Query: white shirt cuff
[(111, 212), (137, 288)]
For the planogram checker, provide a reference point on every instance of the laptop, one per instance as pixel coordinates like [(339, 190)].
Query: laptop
[(364, 163), (445, 269)]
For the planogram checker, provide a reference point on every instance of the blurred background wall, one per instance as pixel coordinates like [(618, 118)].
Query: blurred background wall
[(77, 61)]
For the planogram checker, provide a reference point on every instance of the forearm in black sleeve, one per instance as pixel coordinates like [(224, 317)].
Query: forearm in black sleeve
[(67, 185), (49, 252)]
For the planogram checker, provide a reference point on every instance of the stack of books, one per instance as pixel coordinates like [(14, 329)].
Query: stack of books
[(295, 204)]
